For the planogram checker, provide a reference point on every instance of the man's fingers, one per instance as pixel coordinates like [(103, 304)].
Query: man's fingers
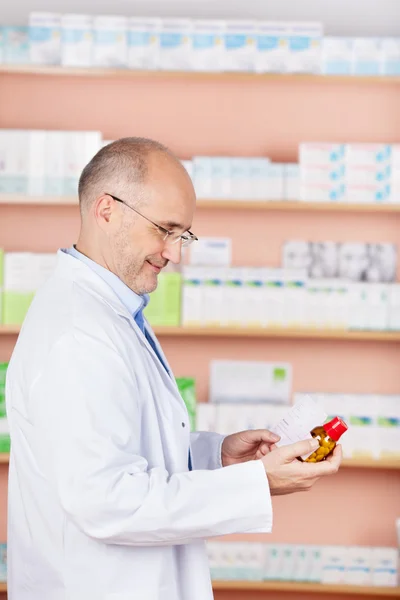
[(262, 435), (293, 451)]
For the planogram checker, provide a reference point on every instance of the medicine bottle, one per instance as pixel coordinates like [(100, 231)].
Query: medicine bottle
[(327, 435)]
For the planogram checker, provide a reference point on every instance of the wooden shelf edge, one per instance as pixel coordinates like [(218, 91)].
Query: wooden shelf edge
[(239, 205), (3, 587), (316, 588), (4, 459), (327, 334), (237, 76), (323, 334)]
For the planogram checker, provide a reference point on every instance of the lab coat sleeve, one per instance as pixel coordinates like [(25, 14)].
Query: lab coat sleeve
[(88, 418), (205, 448)]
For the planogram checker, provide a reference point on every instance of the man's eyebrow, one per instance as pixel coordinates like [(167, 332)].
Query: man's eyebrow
[(173, 225)]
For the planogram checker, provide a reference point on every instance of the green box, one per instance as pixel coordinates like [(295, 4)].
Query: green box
[(4, 437), (15, 306), (187, 389), (1, 283), (164, 308)]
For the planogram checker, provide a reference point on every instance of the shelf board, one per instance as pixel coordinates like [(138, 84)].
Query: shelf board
[(312, 588), (38, 200), (321, 334), (364, 463), (3, 587), (252, 205), (105, 72), (297, 206)]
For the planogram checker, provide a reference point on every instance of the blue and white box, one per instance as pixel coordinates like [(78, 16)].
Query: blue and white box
[(291, 181), (328, 192), (208, 45), (221, 177), (143, 39), (259, 176), (337, 54), (76, 40), (241, 188), (368, 155), (175, 47), (202, 176), (3, 562), (321, 153), (54, 163), (272, 49), (16, 45), (36, 170), (366, 56), (305, 43), (275, 181), (45, 38), (110, 41), (13, 161), (390, 56), (240, 46)]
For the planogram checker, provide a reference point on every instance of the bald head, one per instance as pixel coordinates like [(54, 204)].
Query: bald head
[(121, 166)]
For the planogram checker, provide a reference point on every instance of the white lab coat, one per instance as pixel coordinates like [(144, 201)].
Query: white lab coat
[(101, 503)]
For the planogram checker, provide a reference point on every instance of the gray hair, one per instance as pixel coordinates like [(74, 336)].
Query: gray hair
[(116, 166)]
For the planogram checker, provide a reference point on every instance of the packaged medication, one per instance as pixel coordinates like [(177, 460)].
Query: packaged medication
[(4, 431), (3, 562), (221, 177), (242, 187), (388, 426), (215, 252), (305, 40), (384, 567), (327, 435), (110, 41), (334, 560), (274, 189), (366, 56), (259, 177), (193, 295), (1, 45), (240, 46), (16, 45), (207, 45), (368, 155), (321, 153), (76, 40), (175, 49), (390, 56), (272, 47), (337, 53), (45, 38), (291, 181), (206, 418), (143, 41), (202, 176)]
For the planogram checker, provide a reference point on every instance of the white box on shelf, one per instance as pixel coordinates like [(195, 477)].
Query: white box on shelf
[(362, 436), (272, 47), (259, 173), (253, 281), (305, 41), (291, 181), (221, 178), (54, 163), (16, 45), (394, 306), (378, 193), (323, 193), (240, 45), (76, 40), (241, 182), (175, 46), (274, 188), (273, 288), (1, 45), (390, 56), (293, 297), (274, 561), (385, 565), (202, 176), (388, 426), (193, 296), (14, 161), (36, 171), (321, 153), (366, 56), (368, 155), (143, 44), (45, 38), (213, 296), (315, 570), (211, 252), (234, 298), (334, 560), (206, 416), (358, 566), (322, 174), (110, 41), (337, 53), (207, 44)]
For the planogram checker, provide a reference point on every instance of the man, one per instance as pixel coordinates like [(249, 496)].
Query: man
[(110, 496)]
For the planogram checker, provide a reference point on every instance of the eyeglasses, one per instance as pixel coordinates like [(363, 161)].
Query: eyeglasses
[(186, 238)]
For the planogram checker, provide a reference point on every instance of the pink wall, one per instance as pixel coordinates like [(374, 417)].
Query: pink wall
[(202, 116)]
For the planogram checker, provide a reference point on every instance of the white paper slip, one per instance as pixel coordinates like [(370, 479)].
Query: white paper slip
[(299, 421)]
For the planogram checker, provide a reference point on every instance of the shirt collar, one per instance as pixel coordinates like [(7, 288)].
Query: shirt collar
[(132, 301)]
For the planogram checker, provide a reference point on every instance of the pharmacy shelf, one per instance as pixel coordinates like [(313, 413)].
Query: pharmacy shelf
[(322, 334), (318, 334), (38, 200), (368, 463), (3, 588), (104, 72), (253, 205), (311, 588), (296, 206)]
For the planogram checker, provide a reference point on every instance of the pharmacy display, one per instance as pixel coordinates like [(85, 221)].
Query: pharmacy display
[(348, 565), (195, 45)]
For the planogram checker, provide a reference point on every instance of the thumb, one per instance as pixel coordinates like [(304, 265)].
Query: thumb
[(262, 435), (292, 451)]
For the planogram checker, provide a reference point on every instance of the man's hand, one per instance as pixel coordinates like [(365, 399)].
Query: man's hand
[(247, 445), (286, 474)]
